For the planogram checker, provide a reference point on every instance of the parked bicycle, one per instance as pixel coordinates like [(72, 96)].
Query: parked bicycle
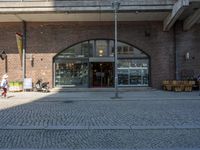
[(41, 86)]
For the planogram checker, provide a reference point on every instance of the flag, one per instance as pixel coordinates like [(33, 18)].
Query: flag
[(19, 39)]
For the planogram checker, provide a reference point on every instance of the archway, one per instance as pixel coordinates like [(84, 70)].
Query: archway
[(91, 64)]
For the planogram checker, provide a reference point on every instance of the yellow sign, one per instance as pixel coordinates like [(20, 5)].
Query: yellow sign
[(19, 45)]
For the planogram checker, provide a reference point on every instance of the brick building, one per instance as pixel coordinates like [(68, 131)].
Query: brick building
[(71, 43)]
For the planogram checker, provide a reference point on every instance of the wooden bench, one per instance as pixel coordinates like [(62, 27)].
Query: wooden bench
[(178, 86)]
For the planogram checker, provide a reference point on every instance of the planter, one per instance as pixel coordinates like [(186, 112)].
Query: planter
[(15, 86)]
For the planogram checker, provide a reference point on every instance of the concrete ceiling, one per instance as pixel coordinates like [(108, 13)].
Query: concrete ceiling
[(51, 17), (190, 10)]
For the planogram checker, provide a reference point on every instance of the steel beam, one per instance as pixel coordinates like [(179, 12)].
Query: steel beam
[(178, 9), (191, 20)]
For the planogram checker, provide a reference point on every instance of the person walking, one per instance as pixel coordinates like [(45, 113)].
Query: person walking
[(4, 85)]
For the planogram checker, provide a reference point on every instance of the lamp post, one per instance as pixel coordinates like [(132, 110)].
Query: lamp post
[(115, 6), (24, 54)]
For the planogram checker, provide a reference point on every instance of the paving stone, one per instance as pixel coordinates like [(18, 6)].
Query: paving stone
[(101, 139), (76, 120), (108, 114)]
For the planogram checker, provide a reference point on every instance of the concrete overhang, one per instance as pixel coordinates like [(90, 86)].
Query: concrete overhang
[(83, 6), (187, 11), (191, 16), (55, 17), (85, 10), (177, 10)]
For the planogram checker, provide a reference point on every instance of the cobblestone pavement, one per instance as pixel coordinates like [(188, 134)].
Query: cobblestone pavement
[(100, 139), (94, 120)]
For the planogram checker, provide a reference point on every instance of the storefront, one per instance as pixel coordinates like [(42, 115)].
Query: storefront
[(91, 64), (71, 43)]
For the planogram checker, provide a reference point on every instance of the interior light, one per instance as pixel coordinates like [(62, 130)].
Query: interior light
[(100, 52)]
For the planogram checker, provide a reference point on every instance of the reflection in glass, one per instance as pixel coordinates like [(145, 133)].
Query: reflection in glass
[(125, 50), (135, 76), (78, 51), (71, 74), (111, 48), (123, 75), (101, 47), (133, 72), (72, 65)]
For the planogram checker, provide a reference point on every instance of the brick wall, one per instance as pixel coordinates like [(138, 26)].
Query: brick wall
[(45, 40), (188, 41), (8, 44)]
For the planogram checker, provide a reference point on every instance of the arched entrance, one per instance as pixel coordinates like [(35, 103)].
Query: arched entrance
[(91, 64)]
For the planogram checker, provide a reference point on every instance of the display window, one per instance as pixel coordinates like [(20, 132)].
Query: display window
[(88, 64), (133, 72)]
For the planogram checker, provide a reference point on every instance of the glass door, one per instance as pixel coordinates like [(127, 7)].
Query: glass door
[(102, 74)]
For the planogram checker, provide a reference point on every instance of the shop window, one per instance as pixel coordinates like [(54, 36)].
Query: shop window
[(71, 74), (73, 69), (133, 72)]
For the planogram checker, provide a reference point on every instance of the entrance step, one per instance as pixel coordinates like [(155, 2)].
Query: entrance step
[(124, 89)]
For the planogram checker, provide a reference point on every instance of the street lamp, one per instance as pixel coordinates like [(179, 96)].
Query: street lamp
[(3, 56), (115, 6)]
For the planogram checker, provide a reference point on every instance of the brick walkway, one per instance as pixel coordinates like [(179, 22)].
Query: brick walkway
[(94, 120)]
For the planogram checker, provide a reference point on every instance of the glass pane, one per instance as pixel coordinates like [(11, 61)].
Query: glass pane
[(101, 48), (78, 51), (145, 76), (133, 72), (125, 50), (71, 74), (123, 63), (91, 48), (135, 76), (139, 63), (111, 48), (123, 76), (138, 53)]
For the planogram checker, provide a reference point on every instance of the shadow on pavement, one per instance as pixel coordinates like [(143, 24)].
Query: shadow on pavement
[(92, 120)]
